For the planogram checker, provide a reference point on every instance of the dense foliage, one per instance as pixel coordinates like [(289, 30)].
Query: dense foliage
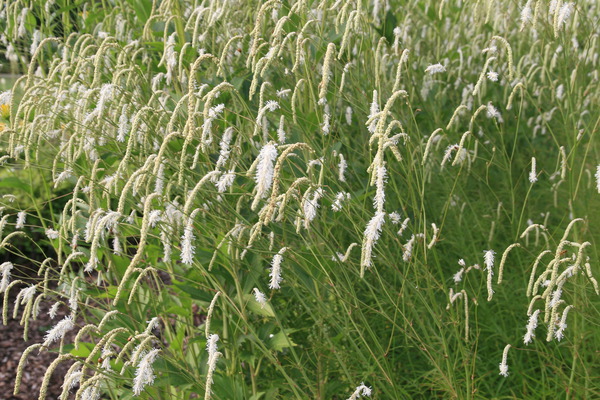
[(305, 199)]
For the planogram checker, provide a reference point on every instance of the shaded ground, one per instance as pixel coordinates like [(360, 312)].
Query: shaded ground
[(11, 348)]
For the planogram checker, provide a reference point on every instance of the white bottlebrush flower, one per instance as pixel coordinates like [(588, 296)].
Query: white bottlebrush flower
[(3, 222), (153, 324), (5, 269), (159, 184), (310, 205), (265, 169), (560, 91), (492, 49), (211, 345), (91, 392), (559, 334), (54, 310), (349, 115), (533, 174), (403, 226), (206, 131), (526, 14), (187, 240), (124, 127), (260, 297), (361, 390), (225, 181), (546, 283), (325, 125), (154, 217), (597, 175), (271, 105), (338, 257), (435, 69), (574, 43), (6, 97), (552, 6), (373, 111), (59, 331), (339, 198), (92, 264), (342, 166), (116, 246), (170, 57), (144, 374), (448, 153), (213, 357), (458, 276), (503, 365), (372, 233), (281, 135), (555, 297), (492, 76), (74, 300), (380, 181), (461, 155), (106, 363), (106, 93), (492, 112), (22, 30), (488, 259), (26, 294), (72, 380), (11, 54), (64, 175), (224, 151), (408, 248), (283, 93), (187, 247), (21, 216), (275, 273), (531, 325), (314, 163), (215, 111), (564, 13), (394, 218)]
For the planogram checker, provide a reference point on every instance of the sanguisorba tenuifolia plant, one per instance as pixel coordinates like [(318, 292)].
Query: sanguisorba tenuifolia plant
[(244, 200)]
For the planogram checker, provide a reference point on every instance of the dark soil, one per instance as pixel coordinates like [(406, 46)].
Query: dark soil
[(12, 347)]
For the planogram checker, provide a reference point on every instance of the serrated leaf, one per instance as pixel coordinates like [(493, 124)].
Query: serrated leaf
[(256, 308), (281, 341)]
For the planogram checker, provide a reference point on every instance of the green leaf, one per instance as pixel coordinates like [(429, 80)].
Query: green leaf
[(281, 340), (15, 183), (389, 24), (194, 292), (253, 306), (178, 310), (142, 8), (82, 351)]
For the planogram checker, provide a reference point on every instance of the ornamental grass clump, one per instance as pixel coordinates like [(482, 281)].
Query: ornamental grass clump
[(183, 185)]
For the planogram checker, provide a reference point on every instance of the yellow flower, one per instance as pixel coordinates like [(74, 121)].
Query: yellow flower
[(5, 111)]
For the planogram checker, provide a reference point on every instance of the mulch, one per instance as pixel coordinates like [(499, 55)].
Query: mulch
[(12, 346)]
